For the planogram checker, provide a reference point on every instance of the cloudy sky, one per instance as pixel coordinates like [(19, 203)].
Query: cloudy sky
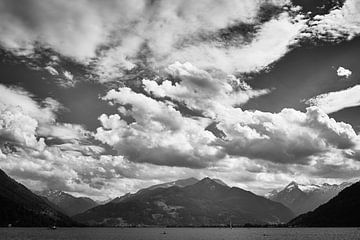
[(100, 98)]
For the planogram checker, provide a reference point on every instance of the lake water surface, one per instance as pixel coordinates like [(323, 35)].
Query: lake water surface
[(180, 233)]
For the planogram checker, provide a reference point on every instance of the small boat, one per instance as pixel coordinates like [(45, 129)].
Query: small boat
[(52, 227)]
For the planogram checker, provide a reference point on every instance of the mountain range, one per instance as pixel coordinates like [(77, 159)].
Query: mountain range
[(207, 202), (68, 204), (341, 211), (22, 208), (186, 202), (302, 198)]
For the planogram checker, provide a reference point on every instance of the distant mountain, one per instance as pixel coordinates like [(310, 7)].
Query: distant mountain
[(21, 207), (207, 202), (102, 202), (179, 183), (303, 198), (341, 211), (69, 204)]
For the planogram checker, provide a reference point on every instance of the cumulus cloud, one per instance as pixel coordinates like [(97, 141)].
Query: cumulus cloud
[(336, 101), (159, 134), (287, 137), (18, 98), (201, 91), (343, 72), (28, 125)]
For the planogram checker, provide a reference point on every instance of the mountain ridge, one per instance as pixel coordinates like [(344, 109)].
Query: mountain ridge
[(68, 203), (341, 211), (301, 198), (205, 203)]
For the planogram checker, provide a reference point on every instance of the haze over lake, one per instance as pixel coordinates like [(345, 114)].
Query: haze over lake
[(180, 233)]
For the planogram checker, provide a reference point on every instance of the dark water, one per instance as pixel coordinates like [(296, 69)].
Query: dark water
[(180, 233)]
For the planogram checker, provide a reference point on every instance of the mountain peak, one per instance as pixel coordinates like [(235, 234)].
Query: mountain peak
[(342, 211), (219, 181), (212, 182), (208, 180), (292, 185), (301, 198), (207, 202), (179, 183)]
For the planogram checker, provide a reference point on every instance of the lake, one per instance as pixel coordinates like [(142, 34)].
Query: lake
[(180, 233)]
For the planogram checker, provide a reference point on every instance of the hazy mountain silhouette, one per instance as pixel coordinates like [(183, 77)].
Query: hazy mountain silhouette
[(69, 204), (21, 207)]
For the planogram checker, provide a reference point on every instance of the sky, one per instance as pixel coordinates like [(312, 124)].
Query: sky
[(103, 98)]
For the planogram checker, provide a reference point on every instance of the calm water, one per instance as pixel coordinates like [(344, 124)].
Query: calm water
[(180, 233)]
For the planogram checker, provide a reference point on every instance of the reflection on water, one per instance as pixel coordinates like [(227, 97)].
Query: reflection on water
[(180, 233)]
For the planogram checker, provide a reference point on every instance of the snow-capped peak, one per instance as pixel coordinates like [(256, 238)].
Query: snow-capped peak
[(308, 188), (291, 186)]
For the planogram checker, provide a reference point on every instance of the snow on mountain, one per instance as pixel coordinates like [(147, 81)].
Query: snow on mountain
[(301, 198)]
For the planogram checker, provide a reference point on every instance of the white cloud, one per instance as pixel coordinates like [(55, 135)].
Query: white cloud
[(159, 135), (286, 137), (264, 49), (336, 101), (68, 75), (75, 29), (68, 80), (52, 70), (115, 32), (63, 131), (18, 98), (27, 125), (19, 128), (201, 91), (339, 23), (343, 72)]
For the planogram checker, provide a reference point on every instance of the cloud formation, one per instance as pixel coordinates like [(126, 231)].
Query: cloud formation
[(185, 118), (287, 137), (159, 134), (336, 101), (32, 140), (340, 23), (343, 72), (117, 31)]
